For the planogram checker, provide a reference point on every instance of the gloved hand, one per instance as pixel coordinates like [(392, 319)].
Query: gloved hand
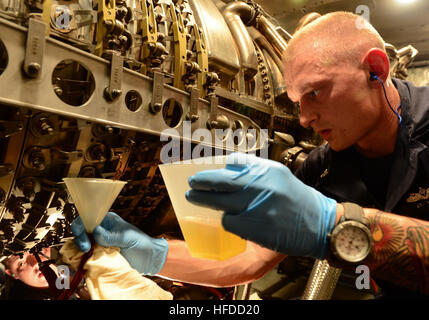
[(265, 203), (145, 254)]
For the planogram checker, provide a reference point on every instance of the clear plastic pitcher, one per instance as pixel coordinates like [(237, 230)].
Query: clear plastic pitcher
[(201, 227)]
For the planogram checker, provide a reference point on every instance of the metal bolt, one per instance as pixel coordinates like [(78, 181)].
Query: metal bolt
[(58, 91), (159, 17), (108, 24), (33, 69), (193, 117), (37, 160), (112, 95), (45, 126), (161, 37), (156, 107), (116, 93)]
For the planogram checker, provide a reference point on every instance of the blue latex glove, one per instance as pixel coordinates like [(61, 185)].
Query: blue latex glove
[(265, 203), (145, 254)]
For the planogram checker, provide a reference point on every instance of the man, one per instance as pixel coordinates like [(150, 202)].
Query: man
[(25, 281), (336, 68), (26, 269)]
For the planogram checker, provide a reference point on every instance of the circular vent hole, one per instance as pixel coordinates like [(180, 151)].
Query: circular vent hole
[(4, 58), (72, 82), (172, 113)]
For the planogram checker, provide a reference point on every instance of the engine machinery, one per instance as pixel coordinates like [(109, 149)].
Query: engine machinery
[(87, 88)]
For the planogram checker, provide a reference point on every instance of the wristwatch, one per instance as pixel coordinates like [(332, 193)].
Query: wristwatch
[(351, 239)]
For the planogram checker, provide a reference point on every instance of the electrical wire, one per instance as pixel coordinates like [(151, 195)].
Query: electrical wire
[(375, 77)]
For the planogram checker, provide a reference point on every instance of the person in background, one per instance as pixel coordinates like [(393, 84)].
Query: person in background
[(25, 281)]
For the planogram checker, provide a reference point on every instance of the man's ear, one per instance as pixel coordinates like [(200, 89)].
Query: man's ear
[(8, 272), (377, 62)]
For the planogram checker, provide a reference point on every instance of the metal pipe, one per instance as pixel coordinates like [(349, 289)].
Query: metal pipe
[(270, 32), (286, 35), (274, 62), (223, 59), (236, 15), (279, 84), (322, 281), (262, 42)]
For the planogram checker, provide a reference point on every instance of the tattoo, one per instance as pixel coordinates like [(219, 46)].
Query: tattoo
[(417, 243), (401, 251), (386, 234)]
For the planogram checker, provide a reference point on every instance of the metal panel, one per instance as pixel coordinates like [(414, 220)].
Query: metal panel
[(17, 90), (222, 54)]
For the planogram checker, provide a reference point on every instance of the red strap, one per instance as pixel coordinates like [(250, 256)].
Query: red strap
[(80, 272)]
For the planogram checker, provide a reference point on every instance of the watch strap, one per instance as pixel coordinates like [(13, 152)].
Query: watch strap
[(354, 212)]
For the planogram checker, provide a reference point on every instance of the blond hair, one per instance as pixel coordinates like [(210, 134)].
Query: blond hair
[(336, 37)]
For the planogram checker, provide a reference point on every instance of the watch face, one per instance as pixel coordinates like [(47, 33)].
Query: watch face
[(352, 243)]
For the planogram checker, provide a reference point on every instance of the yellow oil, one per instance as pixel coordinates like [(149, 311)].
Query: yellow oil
[(209, 240)]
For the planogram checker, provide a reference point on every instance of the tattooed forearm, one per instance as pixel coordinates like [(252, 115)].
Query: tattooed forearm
[(401, 250)]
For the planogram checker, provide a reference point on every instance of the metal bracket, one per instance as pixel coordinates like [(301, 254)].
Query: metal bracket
[(202, 58), (180, 42), (114, 90), (46, 15), (148, 26), (87, 22), (157, 92), (193, 106), (35, 48), (9, 128), (214, 101), (106, 15), (69, 156)]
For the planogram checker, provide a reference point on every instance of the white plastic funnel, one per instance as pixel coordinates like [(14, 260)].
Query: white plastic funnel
[(93, 198), (201, 227)]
